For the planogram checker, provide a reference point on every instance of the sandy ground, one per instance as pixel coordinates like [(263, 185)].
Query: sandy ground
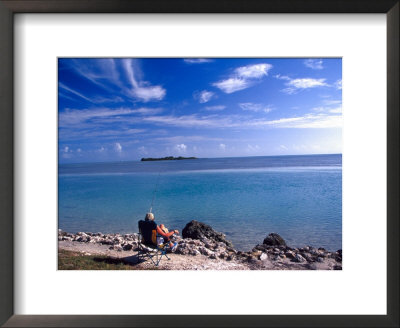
[(189, 262)]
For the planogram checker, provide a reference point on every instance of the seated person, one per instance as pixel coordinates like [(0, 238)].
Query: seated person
[(150, 229), (167, 235)]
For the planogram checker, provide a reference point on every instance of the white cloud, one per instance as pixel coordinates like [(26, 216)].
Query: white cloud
[(314, 63), (243, 78), (295, 84), (149, 93), (79, 150), (330, 102), (101, 149), (94, 99), (307, 83), (66, 149), (180, 139), (283, 147), (336, 110), (197, 60), (253, 71), (77, 116), (118, 147), (100, 70), (147, 111), (72, 134), (181, 148), (140, 89), (191, 121), (255, 107), (331, 106), (314, 120), (282, 77), (338, 84), (232, 85), (222, 146), (215, 108), (204, 96), (310, 121), (76, 93)]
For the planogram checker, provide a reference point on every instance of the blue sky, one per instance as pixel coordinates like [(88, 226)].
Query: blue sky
[(125, 109)]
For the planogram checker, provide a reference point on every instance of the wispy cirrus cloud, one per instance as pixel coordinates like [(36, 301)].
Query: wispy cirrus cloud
[(203, 96), (190, 121), (314, 63), (101, 72), (232, 85), (330, 102), (333, 106), (253, 71), (77, 116), (298, 84), (255, 107), (197, 60), (189, 138), (215, 108), (93, 99), (117, 75), (149, 93), (243, 78), (308, 121), (118, 147), (333, 110), (142, 89), (95, 133), (311, 120), (76, 93), (295, 85), (181, 148), (307, 83)]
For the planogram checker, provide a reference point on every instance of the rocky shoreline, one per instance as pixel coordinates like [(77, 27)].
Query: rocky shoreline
[(200, 241)]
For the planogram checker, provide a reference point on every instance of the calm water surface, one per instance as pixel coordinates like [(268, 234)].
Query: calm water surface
[(299, 197)]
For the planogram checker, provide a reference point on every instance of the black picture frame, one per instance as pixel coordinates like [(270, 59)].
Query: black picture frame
[(10, 7)]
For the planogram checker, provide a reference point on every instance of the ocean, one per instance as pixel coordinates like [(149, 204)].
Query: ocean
[(246, 198)]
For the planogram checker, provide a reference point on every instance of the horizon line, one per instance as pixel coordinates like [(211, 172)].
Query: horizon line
[(138, 160)]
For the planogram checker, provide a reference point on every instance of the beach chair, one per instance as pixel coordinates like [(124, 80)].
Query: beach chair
[(148, 248)]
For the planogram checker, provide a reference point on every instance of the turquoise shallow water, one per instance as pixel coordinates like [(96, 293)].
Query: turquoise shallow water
[(299, 197)]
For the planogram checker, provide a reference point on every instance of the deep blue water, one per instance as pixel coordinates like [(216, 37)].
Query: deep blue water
[(299, 197)]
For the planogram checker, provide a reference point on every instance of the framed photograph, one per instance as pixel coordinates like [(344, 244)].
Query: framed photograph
[(219, 156)]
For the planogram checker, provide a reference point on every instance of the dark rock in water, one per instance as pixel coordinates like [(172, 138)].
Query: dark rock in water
[(199, 230), (273, 239)]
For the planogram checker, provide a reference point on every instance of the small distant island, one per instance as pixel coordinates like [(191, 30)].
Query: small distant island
[(169, 158)]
